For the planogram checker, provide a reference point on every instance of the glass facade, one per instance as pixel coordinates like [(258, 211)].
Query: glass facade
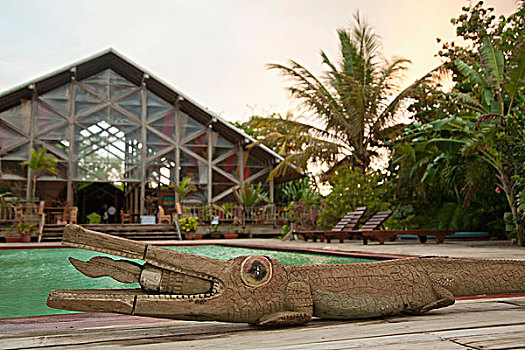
[(105, 128)]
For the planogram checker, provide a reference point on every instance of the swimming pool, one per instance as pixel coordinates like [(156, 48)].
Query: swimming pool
[(27, 275)]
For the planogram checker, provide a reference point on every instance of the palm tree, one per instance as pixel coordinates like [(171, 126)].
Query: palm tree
[(354, 105), (40, 161), (184, 188)]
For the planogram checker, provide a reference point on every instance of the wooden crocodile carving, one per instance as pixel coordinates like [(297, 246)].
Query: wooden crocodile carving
[(259, 290)]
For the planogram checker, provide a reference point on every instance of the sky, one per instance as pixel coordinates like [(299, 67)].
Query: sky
[(216, 51)]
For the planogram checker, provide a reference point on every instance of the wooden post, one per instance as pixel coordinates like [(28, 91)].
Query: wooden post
[(241, 166), (136, 199), (271, 194), (274, 219), (29, 184), (210, 164), (143, 150), (71, 138), (177, 149)]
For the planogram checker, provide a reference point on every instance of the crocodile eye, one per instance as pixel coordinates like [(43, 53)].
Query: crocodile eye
[(256, 271)]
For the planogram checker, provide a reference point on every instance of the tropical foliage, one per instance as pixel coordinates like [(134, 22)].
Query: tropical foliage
[(466, 153), (184, 188), (304, 190), (40, 161), (351, 109), (250, 196), (459, 164), (350, 189)]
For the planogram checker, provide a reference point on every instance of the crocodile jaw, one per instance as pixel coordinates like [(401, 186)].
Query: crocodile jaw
[(132, 302)]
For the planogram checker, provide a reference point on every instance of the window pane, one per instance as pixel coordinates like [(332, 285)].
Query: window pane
[(58, 98), (20, 153), (18, 117), (46, 118), (132, 104), (166, 125), (190, 127), (9, 136), (156, 105), (84, 101)]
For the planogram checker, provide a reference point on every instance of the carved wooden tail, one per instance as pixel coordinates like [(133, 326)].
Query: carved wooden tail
[(464, 277)]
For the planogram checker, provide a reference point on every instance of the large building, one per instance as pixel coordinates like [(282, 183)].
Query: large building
[(118, 131)]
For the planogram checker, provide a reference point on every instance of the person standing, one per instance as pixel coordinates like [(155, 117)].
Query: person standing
[(112, 211), (105, 215)]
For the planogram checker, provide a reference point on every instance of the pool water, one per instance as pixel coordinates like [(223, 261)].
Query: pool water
[(27, 275)]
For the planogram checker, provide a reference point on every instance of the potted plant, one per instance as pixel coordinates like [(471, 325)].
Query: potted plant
[(213, 231), (189, 227), (25, 230), (227, 210)]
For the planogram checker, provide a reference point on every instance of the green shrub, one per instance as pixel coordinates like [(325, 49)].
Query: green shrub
[(94, 218), (350, 189)]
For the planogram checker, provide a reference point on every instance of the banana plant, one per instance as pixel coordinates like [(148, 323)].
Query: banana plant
[(487, 120)]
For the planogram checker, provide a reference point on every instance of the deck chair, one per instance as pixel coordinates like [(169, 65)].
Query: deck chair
[(347, 224), (125, 218), (376, 222), (163, 218)]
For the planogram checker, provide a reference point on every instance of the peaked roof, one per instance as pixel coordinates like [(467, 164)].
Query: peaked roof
[(117, 62)]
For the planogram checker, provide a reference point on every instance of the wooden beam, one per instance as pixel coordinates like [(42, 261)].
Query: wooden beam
[(217, 169), (143, 155), (210, 165), (31, 141), (161, 135), (271, 190), (257, 174), (54, 127), (71, 139), (13, 146), (224, 194), (194, 136), (48, 106), (241, 166), (177, 150), (224, 156), (162, 115), (160, 154)]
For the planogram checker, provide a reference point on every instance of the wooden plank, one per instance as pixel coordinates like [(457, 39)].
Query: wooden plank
[(473, 323)]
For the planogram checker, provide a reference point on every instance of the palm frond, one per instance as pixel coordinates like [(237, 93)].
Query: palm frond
[(516, 76), (493, 60), (470, 73)]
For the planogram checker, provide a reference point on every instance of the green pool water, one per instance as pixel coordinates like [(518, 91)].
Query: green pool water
[(27, 275)]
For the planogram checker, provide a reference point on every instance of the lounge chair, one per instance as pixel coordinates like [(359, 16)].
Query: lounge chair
[(421, 233), (348, 223), (375, 223)]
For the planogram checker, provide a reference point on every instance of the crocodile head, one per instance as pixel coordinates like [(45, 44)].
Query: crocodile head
[(174, 284)]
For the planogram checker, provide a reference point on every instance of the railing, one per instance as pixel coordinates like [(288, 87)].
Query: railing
[(13, 212), (238, 214)]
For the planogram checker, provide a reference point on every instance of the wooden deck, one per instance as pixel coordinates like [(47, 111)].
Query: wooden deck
[(131, 231), (469, 324), (53, 233)]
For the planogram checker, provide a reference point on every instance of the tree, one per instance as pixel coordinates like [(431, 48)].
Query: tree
[(483, 128), (354, 105), (466, 149), (350, 189), (40, 161)]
